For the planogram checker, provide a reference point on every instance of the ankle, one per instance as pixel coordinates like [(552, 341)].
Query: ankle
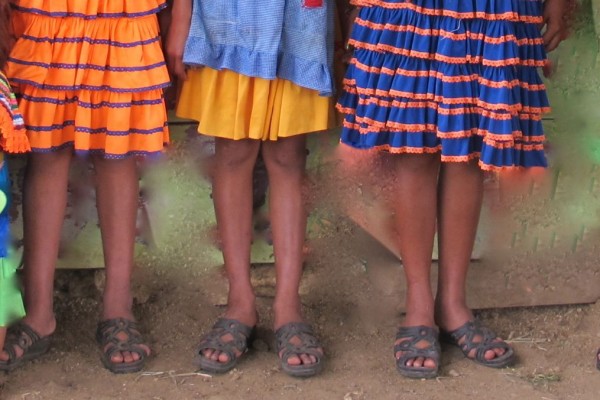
[(450, 316), (286, 312), (243, 300), (43, 324), (117, 308), (241, 306), (287, 303), (419, 317)]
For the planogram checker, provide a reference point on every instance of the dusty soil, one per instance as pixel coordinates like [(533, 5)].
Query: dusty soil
[(355, 319)]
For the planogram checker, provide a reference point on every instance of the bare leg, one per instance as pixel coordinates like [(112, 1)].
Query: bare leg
[(232, 194), (285, 160), (459, 206), (414, 201), (117, 194), (44, 203)]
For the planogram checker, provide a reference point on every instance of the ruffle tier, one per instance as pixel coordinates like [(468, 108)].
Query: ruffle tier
[(423, 80), (115, 54), (114, 124), (508, 10), (91, 9), (93, 83)]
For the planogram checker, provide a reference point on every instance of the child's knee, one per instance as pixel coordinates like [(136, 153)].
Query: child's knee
[(236, 154), (289, 161), (288, 154)]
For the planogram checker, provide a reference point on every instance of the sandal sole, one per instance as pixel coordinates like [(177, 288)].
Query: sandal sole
[(128, 368), (417, 374), (213, 367), (306, 372)]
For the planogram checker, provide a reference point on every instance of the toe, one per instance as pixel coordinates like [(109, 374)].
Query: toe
[(499, 352), (127, 357), (305, 359), (430, 363), (419, 362), (207, 353), (215, 355), (223, 358), (117, 358), (294, 360), (490, 355), (146, 349)]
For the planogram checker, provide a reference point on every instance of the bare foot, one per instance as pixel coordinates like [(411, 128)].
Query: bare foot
[(415, 319), (417, 351), (43, 327), (245, 314), (287, 315), (118, 334), (114, 310), (452, 318)]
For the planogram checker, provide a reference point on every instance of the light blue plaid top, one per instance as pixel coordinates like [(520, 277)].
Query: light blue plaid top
[(265, 39)]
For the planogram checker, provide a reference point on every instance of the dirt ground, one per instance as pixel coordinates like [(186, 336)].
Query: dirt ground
[(355, 319), (355, 307)]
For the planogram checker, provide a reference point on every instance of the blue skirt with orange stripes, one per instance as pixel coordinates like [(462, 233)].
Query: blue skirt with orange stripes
[(454, 77)]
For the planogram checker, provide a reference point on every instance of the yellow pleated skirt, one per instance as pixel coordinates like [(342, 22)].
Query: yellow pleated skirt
[(233, 106)]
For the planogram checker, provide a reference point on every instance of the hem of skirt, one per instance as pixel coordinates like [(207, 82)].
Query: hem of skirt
[(444, 158), (102, 152), (262, 139), (304, 73), (246, 135)]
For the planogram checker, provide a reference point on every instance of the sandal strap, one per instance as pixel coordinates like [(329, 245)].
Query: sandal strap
[(308, 342), (213, 340), (412, 336), (22, 336), (473, 335), (107, 335)]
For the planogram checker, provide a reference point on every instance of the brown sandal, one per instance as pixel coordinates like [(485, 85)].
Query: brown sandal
[(106, 336), (465, 338), (241, 338), (410, 337), (32, 346), (308, 344)]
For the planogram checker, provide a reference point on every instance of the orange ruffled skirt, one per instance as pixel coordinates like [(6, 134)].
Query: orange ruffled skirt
[(90, 74), (234, 106)]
